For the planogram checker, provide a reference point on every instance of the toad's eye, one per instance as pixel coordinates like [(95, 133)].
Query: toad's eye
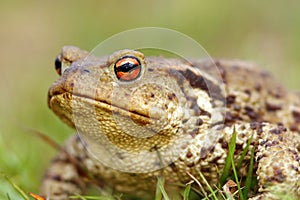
[(127, 68), (58, 64)]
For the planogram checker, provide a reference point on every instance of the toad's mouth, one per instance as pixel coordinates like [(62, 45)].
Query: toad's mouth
[(66, 105)]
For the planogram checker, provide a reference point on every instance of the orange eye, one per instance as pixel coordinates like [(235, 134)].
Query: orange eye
[(127, 68)]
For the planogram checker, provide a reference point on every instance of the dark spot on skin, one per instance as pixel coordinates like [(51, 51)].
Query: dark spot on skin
[(215, 159), (199, 122), (282, 128), (294, 127), (296, 116), (259, 130), (71, 84), (256, 126), (275, 131), (247, 91), (224, 145), (198, 81), (191, 164), (278, 175), (272, 107), (237, 107), (153, 149), (257, 87), (230, 118), (239, 146), (150, 69), (293, 167), (173, 167), (203, 153), (86, 71), (262, 142), (280, 124), (251, 113), (195, 80), (56, 178), (230, 99), (271, 143), (189, 154), (293, 151), (152, 95), (171, 96), (195, 132), (185, 121)]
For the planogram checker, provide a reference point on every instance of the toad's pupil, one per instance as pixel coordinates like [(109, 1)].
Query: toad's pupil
[(127, 68)]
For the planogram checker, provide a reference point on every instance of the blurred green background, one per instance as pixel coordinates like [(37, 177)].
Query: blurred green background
[(33, 32)]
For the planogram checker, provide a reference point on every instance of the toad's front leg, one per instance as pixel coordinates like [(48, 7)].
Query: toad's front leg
[(64, 177), (278, 159)]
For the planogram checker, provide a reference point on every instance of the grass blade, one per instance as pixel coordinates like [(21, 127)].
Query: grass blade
[(160, 190), (212, 192), (248, 182), (236, 179), (198, 183), (229, 158), (17, 188), (244, 153), (186, 192)]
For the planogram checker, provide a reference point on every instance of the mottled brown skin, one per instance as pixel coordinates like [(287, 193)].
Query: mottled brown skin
[(201, 110)]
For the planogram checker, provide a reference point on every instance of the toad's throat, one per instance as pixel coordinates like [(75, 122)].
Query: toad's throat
[(87, 115)]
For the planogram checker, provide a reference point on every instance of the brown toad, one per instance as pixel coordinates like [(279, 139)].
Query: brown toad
[(140, 117)]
